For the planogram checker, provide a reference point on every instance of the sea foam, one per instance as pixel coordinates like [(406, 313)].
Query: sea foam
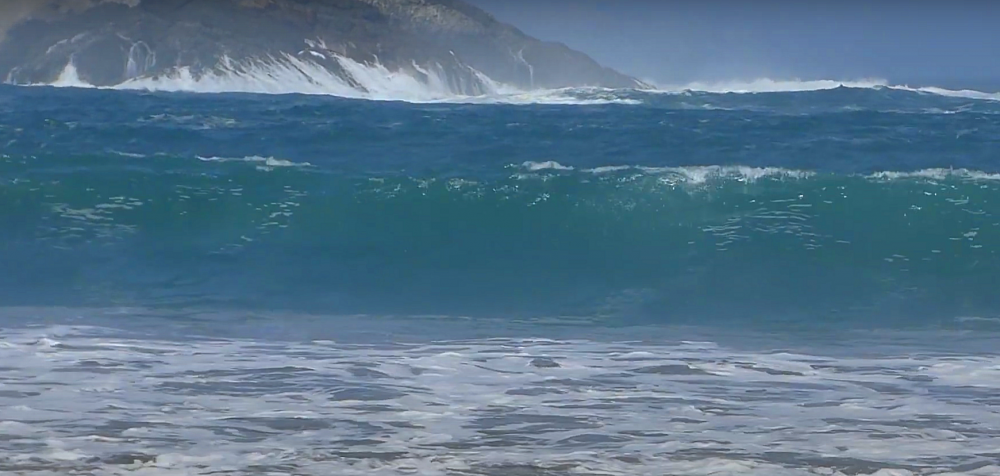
[(298, 75), (294, 75), (768, 85), (165, 405)]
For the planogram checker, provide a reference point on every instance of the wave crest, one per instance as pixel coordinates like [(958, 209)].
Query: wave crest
[(767, 85), (374, 81), (700, 174)]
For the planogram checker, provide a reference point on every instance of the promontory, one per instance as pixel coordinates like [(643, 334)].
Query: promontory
[(111, 42)]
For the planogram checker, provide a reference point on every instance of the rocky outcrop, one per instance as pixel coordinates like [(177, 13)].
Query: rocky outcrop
[(114, 41)]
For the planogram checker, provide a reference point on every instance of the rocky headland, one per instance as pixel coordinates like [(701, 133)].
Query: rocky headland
[(110, 42)]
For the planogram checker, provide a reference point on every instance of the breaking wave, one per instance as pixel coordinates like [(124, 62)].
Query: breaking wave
[(661, 243), (767, 85), (256, 159), (374, 81)]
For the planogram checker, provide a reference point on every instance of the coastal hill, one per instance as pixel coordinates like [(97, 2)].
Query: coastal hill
[(114, 41)]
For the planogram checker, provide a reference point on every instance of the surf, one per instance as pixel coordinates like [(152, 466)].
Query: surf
[(370, 81), (373, 81), (848, 205)]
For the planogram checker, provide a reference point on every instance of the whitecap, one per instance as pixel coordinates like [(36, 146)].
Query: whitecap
[(704, 173), (547, 165), (937, 174), (265, 161), (289, 74), (768, 85)]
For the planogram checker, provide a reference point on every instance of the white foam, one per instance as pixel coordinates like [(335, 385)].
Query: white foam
[(293, 75), (290, 74), (132, 155), (978, 319), (767, 85), (608, 169), (256, 159), (937, 174), (701, 174), (547, 165), (961, 93), (478, 406), (70, 78)]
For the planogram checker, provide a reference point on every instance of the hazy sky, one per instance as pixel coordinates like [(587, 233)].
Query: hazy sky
[(954, 42)]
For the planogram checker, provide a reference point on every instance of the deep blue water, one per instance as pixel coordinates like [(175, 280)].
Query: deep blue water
[(774, 284)]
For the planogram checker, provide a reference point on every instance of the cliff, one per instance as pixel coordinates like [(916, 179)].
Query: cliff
[(113, 41)]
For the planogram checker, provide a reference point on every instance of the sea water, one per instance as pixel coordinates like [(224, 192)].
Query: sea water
[(797, 281)]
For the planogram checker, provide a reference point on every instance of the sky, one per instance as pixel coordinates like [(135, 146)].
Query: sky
[(919, 42)]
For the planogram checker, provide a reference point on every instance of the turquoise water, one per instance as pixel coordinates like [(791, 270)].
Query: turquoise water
[(644, 283)]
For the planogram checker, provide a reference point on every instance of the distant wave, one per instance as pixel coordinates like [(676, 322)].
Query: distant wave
[(698, 174), (938, 174), (291, 75), (767, 85), (256, 159), (689, 174)]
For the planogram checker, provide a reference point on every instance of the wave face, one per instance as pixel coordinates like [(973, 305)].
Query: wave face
[(840, 206), (672, 244)]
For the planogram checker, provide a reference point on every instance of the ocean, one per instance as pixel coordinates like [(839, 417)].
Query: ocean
[(775, 279)]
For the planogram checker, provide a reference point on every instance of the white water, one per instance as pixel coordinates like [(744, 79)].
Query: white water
[(690, 174), (293, 75), (698, 174), (92, 400), (70, 78), (256, 159), (767, 85), (938, 174)]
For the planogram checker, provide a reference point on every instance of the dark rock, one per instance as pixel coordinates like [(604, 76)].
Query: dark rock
[(112, 41)]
